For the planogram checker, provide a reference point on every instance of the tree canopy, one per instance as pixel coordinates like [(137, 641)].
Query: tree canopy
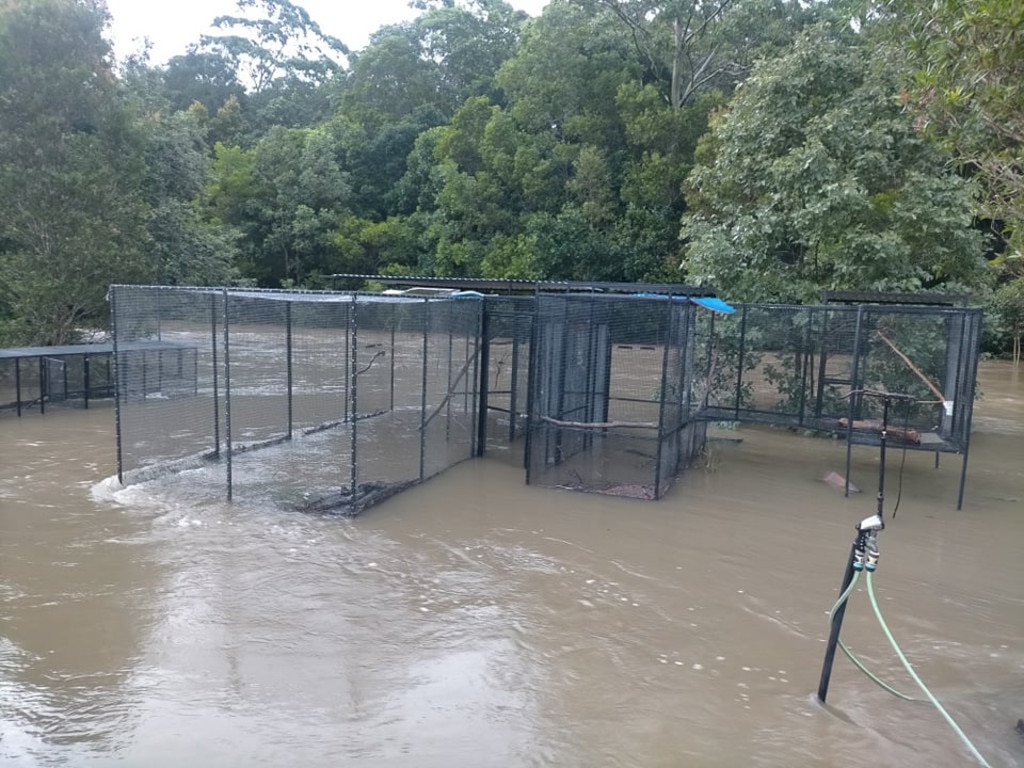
[(771, 148)]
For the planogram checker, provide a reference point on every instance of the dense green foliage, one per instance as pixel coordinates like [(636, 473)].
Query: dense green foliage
[(762, 146)]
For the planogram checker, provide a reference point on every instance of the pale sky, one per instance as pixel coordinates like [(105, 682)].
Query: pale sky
[(171, 26)]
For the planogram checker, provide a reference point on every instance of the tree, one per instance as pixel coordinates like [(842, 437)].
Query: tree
[(276, 40), (71, 173), (285, 198), (813, 179), (433, 63), (674, 38), (183, 249), (1009, 302), (965, 86), (205, 76)]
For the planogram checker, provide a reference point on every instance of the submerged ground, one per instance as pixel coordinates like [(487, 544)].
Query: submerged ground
[(475, 621)]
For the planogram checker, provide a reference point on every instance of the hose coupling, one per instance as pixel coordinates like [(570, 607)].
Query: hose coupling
[(871, 552)]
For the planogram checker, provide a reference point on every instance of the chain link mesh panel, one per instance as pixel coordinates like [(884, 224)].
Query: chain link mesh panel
[(509, 334), (358, 396), (165, 345), (323, 401), (612, 388), (823, 367)]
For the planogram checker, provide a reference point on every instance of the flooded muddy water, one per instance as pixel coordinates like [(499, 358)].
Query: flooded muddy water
[(474, 621)]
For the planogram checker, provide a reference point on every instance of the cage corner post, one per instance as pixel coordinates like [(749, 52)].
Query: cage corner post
[(854, 398), (423, 388), (229, 452), (666, 339), (353, 366), (117, 389), (970, 391), (532, 378), (484, 342), (214, 377), (288, 363)]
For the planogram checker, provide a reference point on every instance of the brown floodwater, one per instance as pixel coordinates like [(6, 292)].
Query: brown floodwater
[(475, 621)]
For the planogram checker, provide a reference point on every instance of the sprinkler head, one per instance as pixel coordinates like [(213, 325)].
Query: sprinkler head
[(873, 523)]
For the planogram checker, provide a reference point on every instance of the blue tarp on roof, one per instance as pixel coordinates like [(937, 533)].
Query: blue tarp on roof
[(715, 305)]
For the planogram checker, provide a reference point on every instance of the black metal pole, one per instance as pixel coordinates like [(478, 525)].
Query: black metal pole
[(391, 402), (739, 364), (85, 379), (837, 625), (514, 378), (227, 391), (348, 362), (851, 413), (117, 381), (883, 438), (451, 350), (485, 366), (17, 384), (213, 369), (353, 367), (666, 340), (43, 387), (423, 389), (288, 356), (971, 384), (532, 383)]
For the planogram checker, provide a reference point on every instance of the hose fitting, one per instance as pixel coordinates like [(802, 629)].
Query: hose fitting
[(871, 552)]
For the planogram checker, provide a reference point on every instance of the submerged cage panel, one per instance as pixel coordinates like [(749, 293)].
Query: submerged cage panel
[(323, 401), (821, 368), (611, 394), (827, 368), (508, 337)]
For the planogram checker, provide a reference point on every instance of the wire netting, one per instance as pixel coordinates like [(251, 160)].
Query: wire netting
[(357, 396), (825, 367), (37, 378), (508, 338), (612, 393), (325, 401)]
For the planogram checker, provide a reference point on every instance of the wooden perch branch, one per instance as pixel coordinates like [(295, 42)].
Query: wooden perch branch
[(366, 367), (451, 389), (600, 424), (935, 390)]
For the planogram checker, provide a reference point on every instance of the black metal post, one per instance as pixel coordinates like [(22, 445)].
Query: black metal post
[(485, 366), (354, 397), (216, 392), (349, 319), (739, 365), (117, 389), (288, 358), (85, 379), (837, 625), (806, 366), (853, 400), (513, 399), (423, 389), (43, 387), (971, 387), (391, 405), (451, 351), (666, 340), (883, 439), (227, 392), (17, 384), (563, 367)]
